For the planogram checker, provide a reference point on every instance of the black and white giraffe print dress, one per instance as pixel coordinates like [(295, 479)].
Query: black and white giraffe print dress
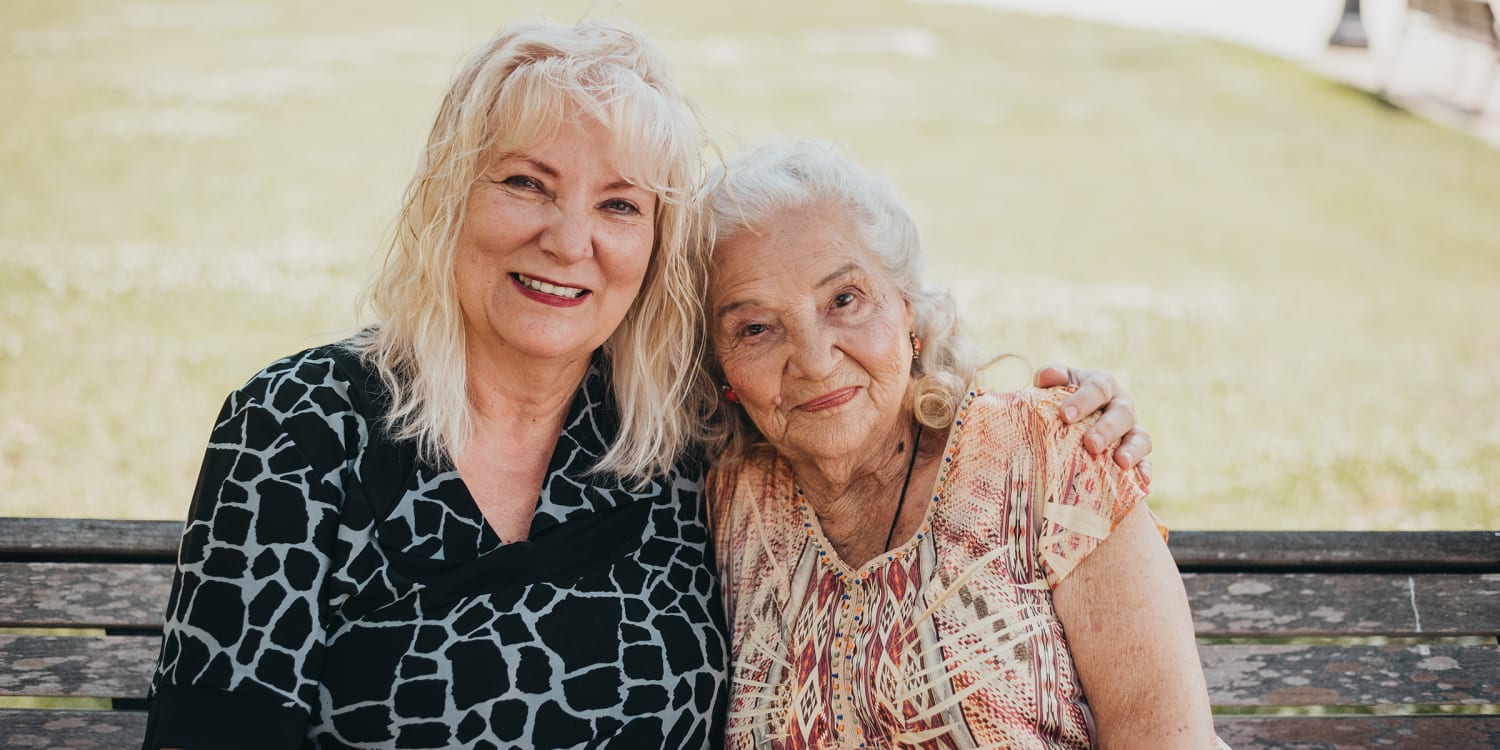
[(334, 592)]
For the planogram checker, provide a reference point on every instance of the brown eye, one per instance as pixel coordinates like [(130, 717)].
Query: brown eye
[(843, 299)]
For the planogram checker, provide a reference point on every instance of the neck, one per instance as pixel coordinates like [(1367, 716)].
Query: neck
[(848, 492), (520, 390)]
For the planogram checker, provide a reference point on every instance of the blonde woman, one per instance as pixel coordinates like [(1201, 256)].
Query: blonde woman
[(473, 525), (479, 523)]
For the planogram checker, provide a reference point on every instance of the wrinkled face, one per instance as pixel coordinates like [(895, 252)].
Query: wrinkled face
[(553, 250), (812, 335)]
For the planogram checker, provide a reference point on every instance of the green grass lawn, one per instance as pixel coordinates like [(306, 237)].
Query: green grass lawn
[(1296, 282)]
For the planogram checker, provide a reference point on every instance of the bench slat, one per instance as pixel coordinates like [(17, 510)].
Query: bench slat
[(107, 730), (1343, 604), (44, 729), (35, 538), (1224, 604), (1238, 675), (1412, 551), (51, 538), (114, 666), (1385, 732), (1317, 675), (84, 595), (35, 729)]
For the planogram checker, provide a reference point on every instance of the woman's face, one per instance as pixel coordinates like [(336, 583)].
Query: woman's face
[(554, 247), (812, 335)]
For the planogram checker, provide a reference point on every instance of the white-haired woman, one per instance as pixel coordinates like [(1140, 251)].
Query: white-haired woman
[(907, 561), (479, 523)]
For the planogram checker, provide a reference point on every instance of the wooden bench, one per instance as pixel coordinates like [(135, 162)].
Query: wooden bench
[(1308, 639)]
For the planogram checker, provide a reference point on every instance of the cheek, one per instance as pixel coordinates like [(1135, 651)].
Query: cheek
[(756, 380), (629, 257), (886, 353)]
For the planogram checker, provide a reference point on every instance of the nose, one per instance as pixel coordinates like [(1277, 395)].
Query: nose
[(568, 233), (814, 351)]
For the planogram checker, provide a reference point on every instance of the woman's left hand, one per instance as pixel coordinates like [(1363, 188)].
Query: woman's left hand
[(1099, 390)]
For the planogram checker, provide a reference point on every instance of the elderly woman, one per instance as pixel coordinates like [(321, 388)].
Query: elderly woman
[(479, 523), (908, 561)]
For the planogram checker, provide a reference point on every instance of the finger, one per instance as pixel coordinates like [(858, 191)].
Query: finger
[(1052, 376), (1145, 468), (1133, 448), (1117, 420), (1094, 391)]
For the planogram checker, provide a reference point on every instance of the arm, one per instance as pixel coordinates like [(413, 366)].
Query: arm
[(1131, 636), (1098, 390), (242, 639)]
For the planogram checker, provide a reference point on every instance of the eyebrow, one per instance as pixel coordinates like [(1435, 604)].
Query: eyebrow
[(540, 166), (848, 269)]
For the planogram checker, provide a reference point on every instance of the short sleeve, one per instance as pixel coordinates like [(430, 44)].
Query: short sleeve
[(242, 641), (1085, 495)]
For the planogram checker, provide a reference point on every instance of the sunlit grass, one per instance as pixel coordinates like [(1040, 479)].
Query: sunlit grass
[(1295, 281)]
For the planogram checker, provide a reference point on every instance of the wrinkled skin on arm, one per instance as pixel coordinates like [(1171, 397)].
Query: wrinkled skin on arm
[(1131, 636)]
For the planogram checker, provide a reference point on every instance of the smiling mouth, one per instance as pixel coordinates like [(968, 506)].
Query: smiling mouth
[(537, 285), (829, 400)]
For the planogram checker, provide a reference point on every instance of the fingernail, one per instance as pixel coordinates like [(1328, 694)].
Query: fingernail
[(1129, 458), (1070, 413)]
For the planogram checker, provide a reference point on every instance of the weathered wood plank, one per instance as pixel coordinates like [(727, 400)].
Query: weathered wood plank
[(1319, 675), (1471, 732), (1414, 551), (65, 729), (34, 538), (1335, 604), (83, 595), (116, 666), (54, 538)]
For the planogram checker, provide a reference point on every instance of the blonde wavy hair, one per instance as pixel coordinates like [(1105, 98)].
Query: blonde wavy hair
[(756, 190), (512, 94)]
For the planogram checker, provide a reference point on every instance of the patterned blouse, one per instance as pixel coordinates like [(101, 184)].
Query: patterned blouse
[(947, 641), (334, 591)]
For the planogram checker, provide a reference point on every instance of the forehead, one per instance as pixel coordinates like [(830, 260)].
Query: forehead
[(793, 253), (574, 136)]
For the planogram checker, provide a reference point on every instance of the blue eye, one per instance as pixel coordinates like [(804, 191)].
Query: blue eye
[(752, 329), (522, 182), (621, 206)]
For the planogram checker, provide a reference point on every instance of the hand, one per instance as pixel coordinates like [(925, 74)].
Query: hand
[(1099, 390)]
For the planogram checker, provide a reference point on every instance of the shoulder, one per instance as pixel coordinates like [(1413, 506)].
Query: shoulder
[(326, 379), (733, 486), (1030, 410), (323, 400)]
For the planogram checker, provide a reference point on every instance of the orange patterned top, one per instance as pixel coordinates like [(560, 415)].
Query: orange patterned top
[(948, 641)]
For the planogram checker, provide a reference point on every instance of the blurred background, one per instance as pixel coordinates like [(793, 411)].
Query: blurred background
[(1295, 278)]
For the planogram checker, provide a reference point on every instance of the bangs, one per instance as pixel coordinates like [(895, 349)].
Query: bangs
[(647, 144)]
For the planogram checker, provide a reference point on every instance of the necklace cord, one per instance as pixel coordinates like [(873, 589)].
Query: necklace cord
[(911, 463)]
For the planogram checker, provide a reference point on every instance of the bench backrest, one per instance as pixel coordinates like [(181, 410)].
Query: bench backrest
[(1472, 19), (1308, 639)]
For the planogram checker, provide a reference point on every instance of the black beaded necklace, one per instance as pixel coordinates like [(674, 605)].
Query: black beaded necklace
[(911, 463)]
